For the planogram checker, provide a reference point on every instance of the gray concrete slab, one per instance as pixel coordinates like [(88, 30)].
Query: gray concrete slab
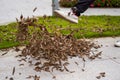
[(108, 48), (12, 9), (109, 63)]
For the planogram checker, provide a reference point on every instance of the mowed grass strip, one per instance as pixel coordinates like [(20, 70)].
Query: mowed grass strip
[(88, 27)]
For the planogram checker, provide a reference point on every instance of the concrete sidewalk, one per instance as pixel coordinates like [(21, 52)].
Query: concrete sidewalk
[(109, 63), (98, 11), (12, 9)]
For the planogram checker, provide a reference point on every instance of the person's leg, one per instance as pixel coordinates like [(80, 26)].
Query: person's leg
[(81, 6), (76, 10)]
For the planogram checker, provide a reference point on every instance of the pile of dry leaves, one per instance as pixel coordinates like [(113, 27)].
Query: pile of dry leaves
[(50, 49)]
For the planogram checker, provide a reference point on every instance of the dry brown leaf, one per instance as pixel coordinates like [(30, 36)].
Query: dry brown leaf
[(13, 71), (55, 49)]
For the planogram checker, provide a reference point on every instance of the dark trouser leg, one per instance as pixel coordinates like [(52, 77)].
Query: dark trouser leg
[(82, 6)]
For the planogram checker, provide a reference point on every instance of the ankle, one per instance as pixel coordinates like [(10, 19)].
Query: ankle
[(75, 11)]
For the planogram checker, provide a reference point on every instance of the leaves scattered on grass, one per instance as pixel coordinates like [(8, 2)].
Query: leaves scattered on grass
[(54, 49)]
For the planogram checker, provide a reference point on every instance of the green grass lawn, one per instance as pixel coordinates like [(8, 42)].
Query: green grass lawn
[(88, 26)]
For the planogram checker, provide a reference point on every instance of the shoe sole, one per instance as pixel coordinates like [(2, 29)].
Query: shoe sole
[(64, 17)]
